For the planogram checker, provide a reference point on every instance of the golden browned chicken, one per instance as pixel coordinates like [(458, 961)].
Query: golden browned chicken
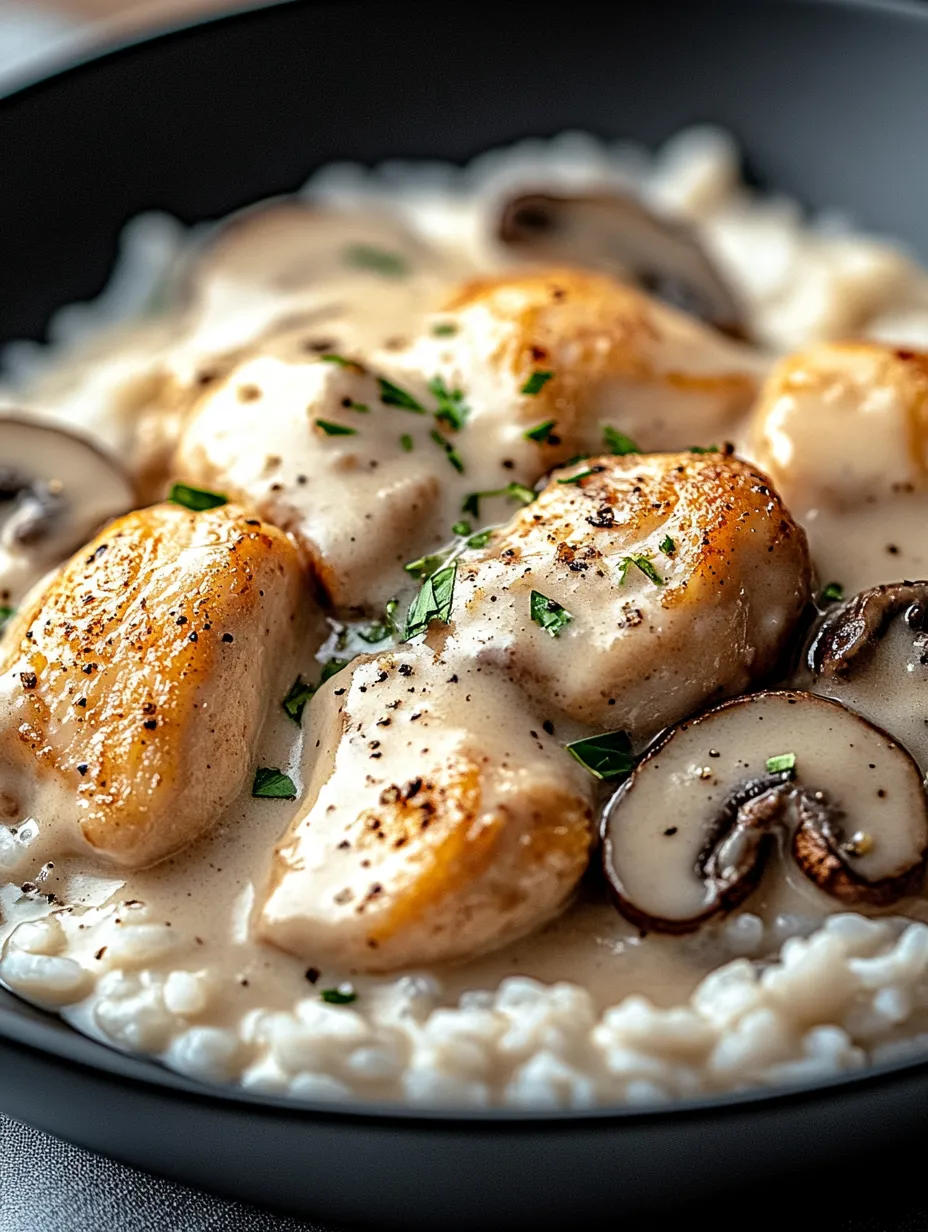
[(842, 423), (636, 589), (439, 818), (132, 688), (368, 463)]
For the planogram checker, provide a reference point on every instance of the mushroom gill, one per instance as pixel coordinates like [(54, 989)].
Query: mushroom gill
[(689, 835)]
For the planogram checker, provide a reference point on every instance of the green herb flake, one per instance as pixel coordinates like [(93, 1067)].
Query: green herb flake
[(481, 538), (452, 409), (667, 546), (332, 668), (335, 429), (590, 470), (541, 432), (383, 629), (425, 566), (704, 449), (608, 756), (644, 565), (272, 784), (341, 361), (618, 443), (406, 442), (361, 407), (295, 701), (461, 528), (451, 453), (433, 602), (6, 613), (444, 329), (833, 593), (548, 613), (197, 499), (338, 996), (378, 260), (536, 383), (514, 491), (392, 395), (782, 762)]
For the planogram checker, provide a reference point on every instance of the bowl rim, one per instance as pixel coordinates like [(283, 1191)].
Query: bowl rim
[(47, 1035)]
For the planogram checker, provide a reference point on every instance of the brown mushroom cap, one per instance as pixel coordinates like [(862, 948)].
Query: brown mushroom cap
[(688, 836), (617, 233), (871, 653), (57, 487)]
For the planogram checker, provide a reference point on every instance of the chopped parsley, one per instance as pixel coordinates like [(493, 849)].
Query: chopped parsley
[(515, 491), (782, 762), (335, 429), (332, 668), (197, 499), (548, 613), (338, 996), (452, 409), (361, 407), (644, 565), (480, 539), (833, 593), (406, 442), (608, 756), (667, 546), (392, 395), (383, 629), (366, 256), (536, 383), (425, 566), (541, 432), (452, 454), (461, 528), (444, 329), (590, 470), (342, 362), (704, 449), (272, 784), (433, 602), (295, 701), (617, 442), (6, 613)]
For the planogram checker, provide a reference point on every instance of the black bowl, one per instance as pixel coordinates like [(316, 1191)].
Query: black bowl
[(831, 102)]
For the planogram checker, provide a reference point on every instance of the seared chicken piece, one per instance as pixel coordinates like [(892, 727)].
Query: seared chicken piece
[(439, 819), (133, 688), (682, 576), (351, 459), (844, 423)]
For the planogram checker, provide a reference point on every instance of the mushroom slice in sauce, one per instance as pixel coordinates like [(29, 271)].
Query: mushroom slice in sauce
[(618, 233), (57, 487), (688, 836), (871, 652)]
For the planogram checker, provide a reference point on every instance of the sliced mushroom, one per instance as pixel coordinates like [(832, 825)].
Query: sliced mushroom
[(57, 487), (871, 652), (689, 835), (619, 234)]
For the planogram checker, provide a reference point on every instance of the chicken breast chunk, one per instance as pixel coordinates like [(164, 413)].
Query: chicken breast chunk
[(368, 461), (133, 688), (636, 589), (439, 819), (844, 422)]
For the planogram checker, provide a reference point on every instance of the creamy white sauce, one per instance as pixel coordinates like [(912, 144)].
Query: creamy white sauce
[(209, 895)]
